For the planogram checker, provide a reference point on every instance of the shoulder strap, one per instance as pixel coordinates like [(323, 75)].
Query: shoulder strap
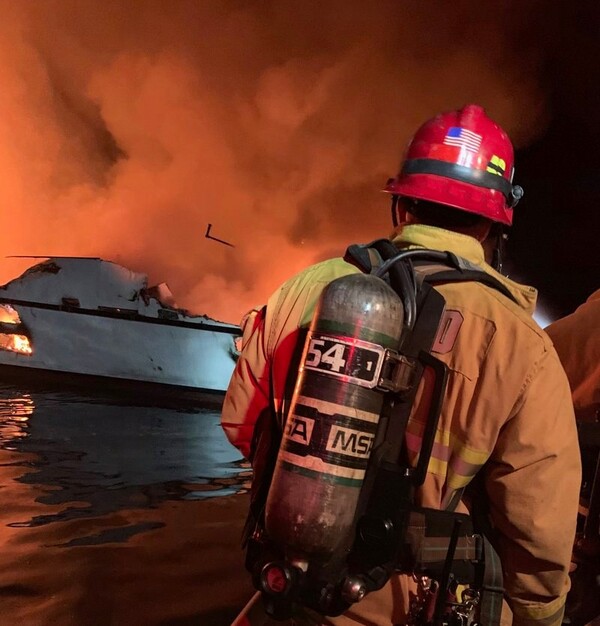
[(445, 274), (368, 257)]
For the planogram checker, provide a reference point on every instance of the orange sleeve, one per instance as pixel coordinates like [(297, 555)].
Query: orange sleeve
[(248, 391)]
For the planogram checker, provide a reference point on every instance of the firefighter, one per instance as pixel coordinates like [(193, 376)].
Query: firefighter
[(577, 342), (507, 413)]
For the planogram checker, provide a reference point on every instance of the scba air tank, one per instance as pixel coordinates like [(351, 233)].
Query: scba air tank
[(333, 416)]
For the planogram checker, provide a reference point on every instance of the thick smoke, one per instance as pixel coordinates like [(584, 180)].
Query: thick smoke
[(127, 127)]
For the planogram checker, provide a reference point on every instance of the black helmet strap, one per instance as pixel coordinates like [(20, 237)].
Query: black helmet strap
[(480, 178), (394, 207), (395, 199), (498, 255)]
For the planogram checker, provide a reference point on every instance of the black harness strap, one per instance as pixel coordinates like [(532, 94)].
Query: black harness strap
[(458, 276), (368, 257), (492, 591), (364, 256), (428, 539)]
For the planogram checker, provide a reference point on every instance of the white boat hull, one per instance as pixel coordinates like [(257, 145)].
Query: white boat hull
[(142, 350)]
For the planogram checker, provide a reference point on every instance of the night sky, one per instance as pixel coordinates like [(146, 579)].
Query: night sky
[(555, 240)]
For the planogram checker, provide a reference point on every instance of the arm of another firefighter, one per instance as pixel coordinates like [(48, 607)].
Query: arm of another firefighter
[(247, 395), (533, 482)]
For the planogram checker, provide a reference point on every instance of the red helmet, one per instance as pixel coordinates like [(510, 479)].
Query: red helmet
[(464, 160)]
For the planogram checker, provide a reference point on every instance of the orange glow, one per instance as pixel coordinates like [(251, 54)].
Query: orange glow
[(21, 344), (15, 412), (15, 343), (10, 341), (125, 132), (8, 315)]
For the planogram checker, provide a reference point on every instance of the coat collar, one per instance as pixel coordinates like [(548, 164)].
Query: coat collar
[(433, 238)]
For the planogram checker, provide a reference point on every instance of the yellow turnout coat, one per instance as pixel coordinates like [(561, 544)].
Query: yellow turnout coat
[(577, 341), (507, 406)]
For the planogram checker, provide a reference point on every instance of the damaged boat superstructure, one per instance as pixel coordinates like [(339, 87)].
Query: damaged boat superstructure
[(91, 317)]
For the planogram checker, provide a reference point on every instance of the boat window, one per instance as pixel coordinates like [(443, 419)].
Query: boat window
[(70, 303), (167, 314), (12, 331)]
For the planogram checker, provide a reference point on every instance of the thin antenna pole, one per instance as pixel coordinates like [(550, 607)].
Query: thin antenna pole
[(209, 236)]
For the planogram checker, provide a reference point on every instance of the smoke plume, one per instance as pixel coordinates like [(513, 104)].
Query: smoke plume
[(127, 127)]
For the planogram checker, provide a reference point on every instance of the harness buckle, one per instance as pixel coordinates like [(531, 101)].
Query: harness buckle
[(397, 372)]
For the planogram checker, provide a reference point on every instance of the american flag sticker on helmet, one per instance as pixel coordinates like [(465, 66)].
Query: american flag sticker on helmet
[(462, 138)]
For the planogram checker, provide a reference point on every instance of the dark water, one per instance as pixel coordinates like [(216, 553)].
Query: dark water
[(117, 512)]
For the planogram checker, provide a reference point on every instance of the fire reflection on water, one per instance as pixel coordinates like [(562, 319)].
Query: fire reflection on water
[(106, 501), (15, 412)]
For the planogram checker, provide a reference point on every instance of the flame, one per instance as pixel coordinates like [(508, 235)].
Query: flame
[(8, 315), (11, 341), (15, 343), (21, 344)]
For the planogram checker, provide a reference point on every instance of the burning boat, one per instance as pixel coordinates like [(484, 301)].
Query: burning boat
[(87, 318)]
